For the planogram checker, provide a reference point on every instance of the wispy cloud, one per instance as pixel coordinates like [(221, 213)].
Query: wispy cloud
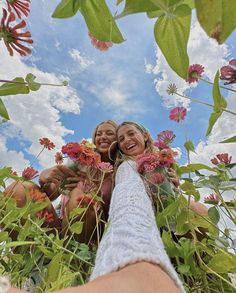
[(83, 61)]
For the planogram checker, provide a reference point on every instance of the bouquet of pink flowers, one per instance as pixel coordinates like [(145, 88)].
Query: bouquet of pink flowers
[(153, 167), (82, 159)]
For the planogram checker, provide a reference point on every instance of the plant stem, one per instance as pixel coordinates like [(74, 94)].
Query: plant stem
[(221, 86), (204, 103), (27, 83)]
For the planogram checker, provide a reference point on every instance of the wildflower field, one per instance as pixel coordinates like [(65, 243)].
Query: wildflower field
[(35, 255)]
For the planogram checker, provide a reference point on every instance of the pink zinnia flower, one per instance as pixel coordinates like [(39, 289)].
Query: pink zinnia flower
[(29, 173), (228, 72), (147, 163), (221, 158), (20, 6), (194, 72), (166, 137), (100, 45), (47, 143), (166, 157), (178, 114), (105, 167), (157, 178), (11, 37), (212, 199)]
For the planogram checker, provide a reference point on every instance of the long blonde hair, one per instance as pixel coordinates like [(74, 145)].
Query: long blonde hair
[(111, 122), (149, 147)]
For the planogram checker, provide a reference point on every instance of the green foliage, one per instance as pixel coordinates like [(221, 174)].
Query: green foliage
[(229, 140), (172, 31), (189, 146), (3, 111), (219, 104), (66, 8), (217, 18)]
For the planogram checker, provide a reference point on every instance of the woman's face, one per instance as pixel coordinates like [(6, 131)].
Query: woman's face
[(105, 135), (131, 140)]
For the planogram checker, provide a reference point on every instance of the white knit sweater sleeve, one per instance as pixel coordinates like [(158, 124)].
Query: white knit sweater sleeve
[(132, 234)]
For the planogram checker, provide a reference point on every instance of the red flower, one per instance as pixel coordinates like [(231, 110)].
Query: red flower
[(47, 143), (165, 137), (59, 158), (157, 178), (11, 37), (37, 196), (20, 6), (29, 173), (194, 72), (178, 114), (221, 158), (105, 167), (166, 157), (212, 199), (147, 163), (100, 45), (228, 72)]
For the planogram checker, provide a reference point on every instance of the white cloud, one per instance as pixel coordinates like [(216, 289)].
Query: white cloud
[(199, 43), (37, 114), (83, 61)]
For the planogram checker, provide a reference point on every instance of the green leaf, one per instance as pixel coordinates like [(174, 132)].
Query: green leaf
[(217, 18), (3, 111), (169, 211), (54, 268), (189, 146), (219, 101), (66, 8), (213, 118), (172, 31), (76, 212), (183, 269), (223, 262), (77, 227), (193, 168), (214, 215), (14, 88), (18, 243), (229, 140), (33, 86), (169, 244), (3, 236), (100, 21), (137, 6), (190, 189)]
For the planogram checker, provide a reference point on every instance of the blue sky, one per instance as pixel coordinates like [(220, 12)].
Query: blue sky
[(128, 82)]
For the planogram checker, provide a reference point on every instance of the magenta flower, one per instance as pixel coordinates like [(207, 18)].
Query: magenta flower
[(20, 6), (29, 173), (212, 199), (194, 72), (11, 37), (228, 72), (166, 136), (100, 45), (105, 167), (157, 178), (47, 143), (221, 158), (178, 114)]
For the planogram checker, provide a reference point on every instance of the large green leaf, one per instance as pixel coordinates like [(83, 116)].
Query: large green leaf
[(137, 6), (214, 215), (3, 111), (100, 22), (171, 34), (33, 86), (14, 88), (77, 227), (229, 140), (66, 8), (219, 104), (189, 146), (223, 262), (217, 17), (193, 168)]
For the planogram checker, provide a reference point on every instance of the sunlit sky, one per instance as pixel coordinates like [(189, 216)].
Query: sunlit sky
[(127, 82)]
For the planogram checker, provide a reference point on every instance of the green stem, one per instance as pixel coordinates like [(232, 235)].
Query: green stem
[(204, 103), (221, 86), (27, 83), (226, 208)]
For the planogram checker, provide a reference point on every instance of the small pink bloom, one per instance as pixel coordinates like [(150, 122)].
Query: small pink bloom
[(166, 157), (47, 143), (29, 173), (212, 199), (194, 72), (105, 167), (100, 45), (221, 158), (178, 114), (166, 137), (157, 178), (228, 72), (147, 163)]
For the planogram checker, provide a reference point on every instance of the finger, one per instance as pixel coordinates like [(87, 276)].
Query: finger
[(73, 179), (70, 185), (66, 171)]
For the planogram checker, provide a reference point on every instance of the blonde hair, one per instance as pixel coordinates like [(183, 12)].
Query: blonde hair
[(111, 122), (149, 147)]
